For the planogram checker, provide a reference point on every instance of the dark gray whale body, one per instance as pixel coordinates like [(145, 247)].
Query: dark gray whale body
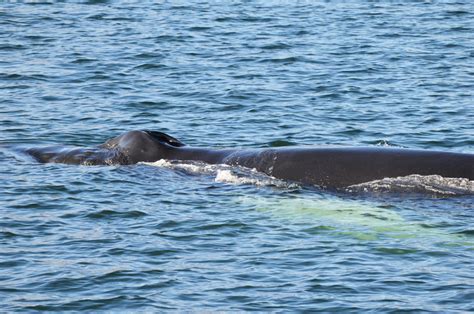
[(330, 167)]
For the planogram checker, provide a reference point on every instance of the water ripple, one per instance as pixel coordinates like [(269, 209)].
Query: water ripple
[(241, 74)]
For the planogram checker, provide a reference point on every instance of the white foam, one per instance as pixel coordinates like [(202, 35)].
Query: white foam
[(226, 176), (159, 163), (432, 184), (224, 173), (194, 167), (254, 177)]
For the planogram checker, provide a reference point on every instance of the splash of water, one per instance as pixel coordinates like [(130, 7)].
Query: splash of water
[(224, 173), (432, 184)]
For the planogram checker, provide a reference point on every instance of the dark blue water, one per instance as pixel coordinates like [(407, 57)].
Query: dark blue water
[(235, 74)]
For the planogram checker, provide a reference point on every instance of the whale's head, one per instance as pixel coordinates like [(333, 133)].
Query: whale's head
[(144, 145)]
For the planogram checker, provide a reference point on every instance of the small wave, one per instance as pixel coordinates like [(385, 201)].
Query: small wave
[(224, 173), (149, 66), (282, 60), (432, 184), (385, 143), (9, 47), (281, 143)]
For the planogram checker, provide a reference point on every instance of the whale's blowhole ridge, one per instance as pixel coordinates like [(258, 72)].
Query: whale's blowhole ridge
[(164, 138)]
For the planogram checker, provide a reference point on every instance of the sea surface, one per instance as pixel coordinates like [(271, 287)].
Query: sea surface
[(193, 237)]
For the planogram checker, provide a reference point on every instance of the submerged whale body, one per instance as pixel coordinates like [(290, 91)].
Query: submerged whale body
[(330, 167)]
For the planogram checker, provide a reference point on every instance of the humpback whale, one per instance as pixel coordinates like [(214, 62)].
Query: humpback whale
[(327, 167)]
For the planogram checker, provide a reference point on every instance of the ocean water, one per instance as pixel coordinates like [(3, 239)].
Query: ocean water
[(171, 236)]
